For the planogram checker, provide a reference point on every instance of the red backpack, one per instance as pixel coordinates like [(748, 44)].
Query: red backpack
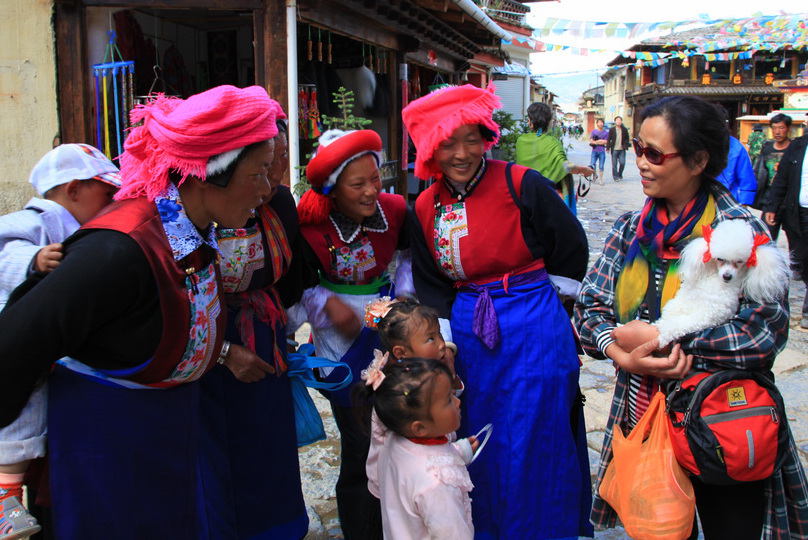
[(728, 427)]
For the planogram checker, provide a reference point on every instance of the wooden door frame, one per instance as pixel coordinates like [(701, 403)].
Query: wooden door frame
[(73, 73)]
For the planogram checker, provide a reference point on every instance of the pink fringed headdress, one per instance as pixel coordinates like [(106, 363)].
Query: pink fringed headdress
[(432, 118), (184, 134)]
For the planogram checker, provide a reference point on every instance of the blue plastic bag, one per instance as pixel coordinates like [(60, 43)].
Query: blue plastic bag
[(309, 425)]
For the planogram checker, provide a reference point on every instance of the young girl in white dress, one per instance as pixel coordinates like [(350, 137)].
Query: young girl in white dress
[(422, 479)]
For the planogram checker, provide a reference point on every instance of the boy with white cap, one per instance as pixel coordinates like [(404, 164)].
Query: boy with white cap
[(75, 182)]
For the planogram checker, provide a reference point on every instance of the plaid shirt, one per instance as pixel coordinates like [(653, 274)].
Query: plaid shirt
[(751, 341)]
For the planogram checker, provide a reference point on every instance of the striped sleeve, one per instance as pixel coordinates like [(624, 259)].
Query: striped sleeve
[(594, 312)]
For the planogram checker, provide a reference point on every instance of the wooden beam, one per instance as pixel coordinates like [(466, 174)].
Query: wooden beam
[(276, 65), (454, 16), (354, 27), (435, 5), (74, 93), (270, 58), (177, 4)]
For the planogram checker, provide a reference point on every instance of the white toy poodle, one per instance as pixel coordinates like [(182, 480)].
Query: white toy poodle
[(729, 261)]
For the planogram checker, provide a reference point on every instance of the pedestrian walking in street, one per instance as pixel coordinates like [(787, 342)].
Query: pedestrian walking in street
[(136, 304), (769, 155), (75, 182), (738, 176), (618, 142), (542, 152), (598, 140), (681, 147), (353, 232), (755, 141), (534, 481), (787, 204)]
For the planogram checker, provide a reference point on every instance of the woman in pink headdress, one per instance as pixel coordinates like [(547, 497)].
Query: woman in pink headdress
[(137, 306), (492, 244)]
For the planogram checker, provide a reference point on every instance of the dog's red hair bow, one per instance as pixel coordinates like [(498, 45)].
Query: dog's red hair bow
[(707, 233), (760, 239)]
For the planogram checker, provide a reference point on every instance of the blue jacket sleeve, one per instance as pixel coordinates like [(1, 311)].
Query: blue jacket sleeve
[(747, 182)]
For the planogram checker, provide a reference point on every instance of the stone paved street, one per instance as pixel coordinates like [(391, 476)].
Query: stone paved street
[(597, 211)]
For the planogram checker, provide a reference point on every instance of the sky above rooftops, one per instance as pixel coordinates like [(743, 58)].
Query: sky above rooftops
[(568, 75)]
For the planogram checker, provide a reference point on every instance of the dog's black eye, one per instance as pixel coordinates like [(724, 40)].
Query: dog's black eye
[(719, 261)]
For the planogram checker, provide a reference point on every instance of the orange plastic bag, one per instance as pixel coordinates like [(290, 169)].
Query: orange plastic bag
[(645, 484)]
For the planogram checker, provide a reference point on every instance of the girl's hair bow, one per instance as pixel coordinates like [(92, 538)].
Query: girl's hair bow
[(373, 375)]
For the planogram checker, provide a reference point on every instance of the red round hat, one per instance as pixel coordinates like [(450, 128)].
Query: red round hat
[(336, 149), (432, 118)]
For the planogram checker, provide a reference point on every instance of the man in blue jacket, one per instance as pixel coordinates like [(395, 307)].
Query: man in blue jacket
[(739, 176)]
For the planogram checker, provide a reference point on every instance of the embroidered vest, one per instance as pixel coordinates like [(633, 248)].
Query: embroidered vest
[(480, 236), (139, 219), (367, 255)]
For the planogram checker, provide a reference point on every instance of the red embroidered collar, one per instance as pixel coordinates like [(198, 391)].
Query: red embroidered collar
[(430, 441)]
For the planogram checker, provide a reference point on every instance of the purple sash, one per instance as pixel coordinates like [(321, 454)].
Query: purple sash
[(486, 325)]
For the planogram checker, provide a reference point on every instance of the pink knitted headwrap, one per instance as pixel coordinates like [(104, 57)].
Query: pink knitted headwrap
[(431, 119), (183, 134)]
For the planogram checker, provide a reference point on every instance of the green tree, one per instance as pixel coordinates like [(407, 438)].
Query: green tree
[(509, 131), (344, 100)]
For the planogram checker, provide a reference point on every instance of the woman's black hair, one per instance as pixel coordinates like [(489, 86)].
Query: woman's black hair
[(394, 328), (283, 127), (486, 133), (404, 395), (222, 178), (539, 115), (697, 126)]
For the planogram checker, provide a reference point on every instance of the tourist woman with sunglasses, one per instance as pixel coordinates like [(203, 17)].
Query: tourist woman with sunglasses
[(681, 147)]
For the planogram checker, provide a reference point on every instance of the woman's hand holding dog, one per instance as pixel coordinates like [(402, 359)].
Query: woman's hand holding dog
[(633, 334), (635, 350)]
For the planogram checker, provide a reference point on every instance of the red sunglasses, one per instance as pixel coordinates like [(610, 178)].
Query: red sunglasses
[(655, 157)]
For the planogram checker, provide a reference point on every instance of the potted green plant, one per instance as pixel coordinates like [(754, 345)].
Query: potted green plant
[(344, 100)]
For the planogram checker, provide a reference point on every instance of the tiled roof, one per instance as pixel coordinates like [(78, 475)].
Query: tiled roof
[(738, 89)]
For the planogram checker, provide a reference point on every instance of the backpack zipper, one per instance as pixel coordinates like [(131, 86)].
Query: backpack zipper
[(743, 413)]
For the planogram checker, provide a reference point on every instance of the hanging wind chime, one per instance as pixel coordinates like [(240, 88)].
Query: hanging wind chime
[(115, 77)]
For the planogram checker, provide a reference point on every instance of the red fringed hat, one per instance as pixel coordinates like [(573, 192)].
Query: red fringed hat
[(432, 119), (336, 149)]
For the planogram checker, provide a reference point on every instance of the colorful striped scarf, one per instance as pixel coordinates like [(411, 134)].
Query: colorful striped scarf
[(265, 304), (659, 239)]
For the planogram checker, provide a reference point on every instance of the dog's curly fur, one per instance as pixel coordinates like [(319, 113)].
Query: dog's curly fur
[(710, 291)]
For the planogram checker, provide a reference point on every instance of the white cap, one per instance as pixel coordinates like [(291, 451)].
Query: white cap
[(73, 162)]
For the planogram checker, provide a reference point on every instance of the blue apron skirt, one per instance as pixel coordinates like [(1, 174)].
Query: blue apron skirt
[(532, 479), (107, 443), (250, 474)]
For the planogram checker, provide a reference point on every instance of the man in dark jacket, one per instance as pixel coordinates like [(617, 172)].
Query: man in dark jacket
[(787, 203), (617, 144), (769, 155)]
